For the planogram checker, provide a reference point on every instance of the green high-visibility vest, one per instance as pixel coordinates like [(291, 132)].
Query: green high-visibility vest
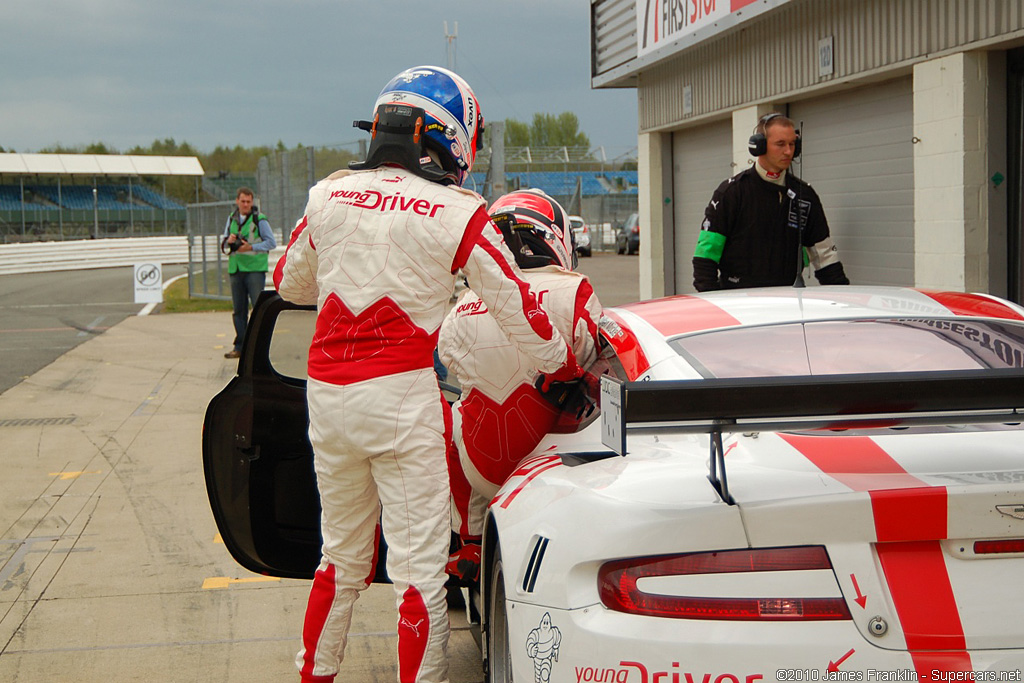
[(250, 261)]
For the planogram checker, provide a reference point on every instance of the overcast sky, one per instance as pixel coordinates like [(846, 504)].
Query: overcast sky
[(227, 72)]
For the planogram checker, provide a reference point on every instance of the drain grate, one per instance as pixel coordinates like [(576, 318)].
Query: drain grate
[(36, 421)]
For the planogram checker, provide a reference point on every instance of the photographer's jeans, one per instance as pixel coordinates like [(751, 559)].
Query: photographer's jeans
[(245, 288)]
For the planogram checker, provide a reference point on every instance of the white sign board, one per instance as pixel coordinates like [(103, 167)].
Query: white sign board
[(826, 55), (613, 433), (149, 283), (671, 25), (659, 22)]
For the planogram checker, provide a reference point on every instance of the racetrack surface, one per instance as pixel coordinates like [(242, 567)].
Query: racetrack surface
[(110, 563)]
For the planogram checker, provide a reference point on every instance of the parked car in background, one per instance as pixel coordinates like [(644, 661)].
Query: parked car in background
[(581, 233), (627, 241)]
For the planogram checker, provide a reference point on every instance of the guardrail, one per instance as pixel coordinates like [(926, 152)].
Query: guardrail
[(38, 257), (34, 257)]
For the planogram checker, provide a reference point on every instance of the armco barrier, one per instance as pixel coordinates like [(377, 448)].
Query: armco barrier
[(33, 257)]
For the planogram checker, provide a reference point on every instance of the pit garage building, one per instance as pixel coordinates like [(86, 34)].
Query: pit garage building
[(911, 114)]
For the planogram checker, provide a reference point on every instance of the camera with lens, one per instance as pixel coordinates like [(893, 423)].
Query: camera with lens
[(232, 247)]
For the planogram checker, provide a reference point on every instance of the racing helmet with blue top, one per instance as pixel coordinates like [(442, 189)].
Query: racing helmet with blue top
[(424, 109)]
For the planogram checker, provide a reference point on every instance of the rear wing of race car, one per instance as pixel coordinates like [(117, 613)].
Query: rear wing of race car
[(717, 406)]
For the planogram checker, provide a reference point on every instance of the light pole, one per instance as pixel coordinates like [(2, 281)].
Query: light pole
[(451, 38)]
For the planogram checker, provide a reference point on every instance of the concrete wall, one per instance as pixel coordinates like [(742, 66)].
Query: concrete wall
[(950, 172)]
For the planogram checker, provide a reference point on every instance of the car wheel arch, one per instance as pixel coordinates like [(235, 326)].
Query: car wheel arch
[(489, 553)]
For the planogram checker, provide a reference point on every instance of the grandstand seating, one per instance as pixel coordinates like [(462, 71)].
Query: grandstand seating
[(108, 197), (151, 197), (10, 198)]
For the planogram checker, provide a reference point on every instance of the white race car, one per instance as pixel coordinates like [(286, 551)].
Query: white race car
[(834, 491), (784, 484)]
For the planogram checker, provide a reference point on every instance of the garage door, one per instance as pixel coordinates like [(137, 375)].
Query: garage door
[(702, 158), (858, 156)]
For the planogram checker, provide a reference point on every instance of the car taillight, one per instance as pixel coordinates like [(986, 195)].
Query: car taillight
[(618, 584), (636, 229), (1015, 545)]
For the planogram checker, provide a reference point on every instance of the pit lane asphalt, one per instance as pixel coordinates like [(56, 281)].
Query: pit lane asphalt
[(110, 564)]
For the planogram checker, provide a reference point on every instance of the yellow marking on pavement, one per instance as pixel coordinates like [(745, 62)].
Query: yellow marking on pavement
[(218, 538), (224, 581), (72, 475)]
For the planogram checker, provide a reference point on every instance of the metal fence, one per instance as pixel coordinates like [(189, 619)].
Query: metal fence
[(38, 224), (207, 266), (284, 179)]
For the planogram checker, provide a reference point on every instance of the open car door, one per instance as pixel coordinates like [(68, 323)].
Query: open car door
[(257, 457)]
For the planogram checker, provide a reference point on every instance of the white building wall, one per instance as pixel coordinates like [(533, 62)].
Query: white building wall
[(950, 168), (652, 256)]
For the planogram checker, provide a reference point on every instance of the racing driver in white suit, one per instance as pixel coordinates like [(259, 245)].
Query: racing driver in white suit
[(501, 415), (377, 251)]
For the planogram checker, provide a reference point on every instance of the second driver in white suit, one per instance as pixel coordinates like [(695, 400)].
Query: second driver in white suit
[(501, 414)]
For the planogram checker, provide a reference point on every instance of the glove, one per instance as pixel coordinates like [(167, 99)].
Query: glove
[(832, 274), (705, 274), (569, 371), (575, 397)]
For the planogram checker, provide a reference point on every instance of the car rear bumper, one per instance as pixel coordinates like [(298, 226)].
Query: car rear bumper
[(597, 644)]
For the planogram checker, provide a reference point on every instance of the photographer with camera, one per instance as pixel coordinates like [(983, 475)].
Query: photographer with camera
[(247, 240)]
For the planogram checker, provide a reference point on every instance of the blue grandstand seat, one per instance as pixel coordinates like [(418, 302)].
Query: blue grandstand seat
[(563, 183), (108, 197), (10, 198), (81, 197), (150, 196)]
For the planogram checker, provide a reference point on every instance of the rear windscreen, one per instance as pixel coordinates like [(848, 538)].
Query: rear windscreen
[(854, 346)]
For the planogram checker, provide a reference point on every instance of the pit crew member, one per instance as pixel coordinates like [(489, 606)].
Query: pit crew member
[(759, 223)]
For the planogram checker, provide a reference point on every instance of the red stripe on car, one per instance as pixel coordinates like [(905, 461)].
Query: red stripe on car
[(532, 470), (910, 520), (681, 314), (919, 584), (627, 348), (973, 305)]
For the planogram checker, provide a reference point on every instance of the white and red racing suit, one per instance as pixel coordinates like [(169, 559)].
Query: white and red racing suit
[(377, 252), (501, 416)]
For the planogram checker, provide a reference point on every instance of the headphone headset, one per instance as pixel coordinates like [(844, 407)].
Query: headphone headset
[(758, 143)]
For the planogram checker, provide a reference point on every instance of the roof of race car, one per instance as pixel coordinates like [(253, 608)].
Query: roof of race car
[(640, 329), (684, 314)]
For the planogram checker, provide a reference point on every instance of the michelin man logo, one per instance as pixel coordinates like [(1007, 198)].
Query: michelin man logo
[(542, 647)]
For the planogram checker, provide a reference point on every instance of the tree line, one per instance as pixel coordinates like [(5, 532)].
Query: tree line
[(544, 131)]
